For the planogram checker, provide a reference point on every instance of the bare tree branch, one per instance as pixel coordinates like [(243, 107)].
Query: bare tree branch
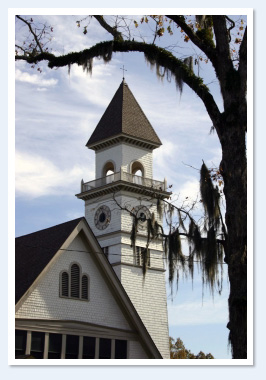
[(202, 45), (152, 52), (32, 32), (112, 30)]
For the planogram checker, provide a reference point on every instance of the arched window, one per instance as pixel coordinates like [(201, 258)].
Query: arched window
[(137, 170), (108, 171), (75, 281), (84, 287), (64, 284)]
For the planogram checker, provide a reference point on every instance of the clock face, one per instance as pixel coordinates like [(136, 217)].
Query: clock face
[(142, 214), (102, 217)]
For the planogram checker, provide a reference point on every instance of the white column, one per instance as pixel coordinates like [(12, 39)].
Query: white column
[(28, 344), (46, 345), (80, 347), (113, 349), (97, 348), (63, 349)]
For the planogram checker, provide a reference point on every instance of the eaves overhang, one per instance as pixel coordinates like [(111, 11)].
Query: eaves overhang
[(126, 186), (122, 138)]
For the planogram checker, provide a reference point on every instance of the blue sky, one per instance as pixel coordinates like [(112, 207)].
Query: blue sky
[(56, 114)]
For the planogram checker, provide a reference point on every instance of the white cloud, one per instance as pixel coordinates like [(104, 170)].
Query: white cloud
[(198, 313), (163, 159), (93, 88), (164, 152), (67, 35), (41, 89), (37, 176), (34, 79), (190, 189)]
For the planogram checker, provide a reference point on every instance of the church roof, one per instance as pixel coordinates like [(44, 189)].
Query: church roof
[(34, 251), (124, 117)]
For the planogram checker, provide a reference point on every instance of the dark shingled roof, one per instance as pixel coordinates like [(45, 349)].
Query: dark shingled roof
[(124, 116), (34, 252)]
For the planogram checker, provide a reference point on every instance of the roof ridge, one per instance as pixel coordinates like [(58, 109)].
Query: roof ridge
[(142, 111), (51, 227), (124, 115)]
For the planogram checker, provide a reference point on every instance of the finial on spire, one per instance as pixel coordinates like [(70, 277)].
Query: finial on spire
[(123, 68)]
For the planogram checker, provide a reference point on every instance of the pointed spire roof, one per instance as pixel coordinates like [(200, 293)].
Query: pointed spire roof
[(123, 120)]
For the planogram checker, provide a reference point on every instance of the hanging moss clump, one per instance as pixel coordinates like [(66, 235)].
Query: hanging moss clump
[(106, 52), (173, 250), (159, 208), (150, 230), (189, 63), (151, 56), (194, 239), (87, 65), (212, 254), (191, 264), (178, 79), (133, 234), (145, 260), (180, 219), (210, 197)]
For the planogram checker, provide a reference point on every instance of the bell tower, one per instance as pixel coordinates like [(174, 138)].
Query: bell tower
[(123, 142)]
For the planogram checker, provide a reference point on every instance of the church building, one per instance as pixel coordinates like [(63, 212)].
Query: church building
[(80, 288)]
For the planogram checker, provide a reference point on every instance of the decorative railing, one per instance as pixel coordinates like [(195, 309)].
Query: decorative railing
[(123, 176)]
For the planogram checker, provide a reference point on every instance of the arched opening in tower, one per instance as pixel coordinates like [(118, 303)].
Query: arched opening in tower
[(108, 172), (137, 170)]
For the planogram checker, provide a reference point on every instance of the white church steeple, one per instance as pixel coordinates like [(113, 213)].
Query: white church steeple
[(123, 142)]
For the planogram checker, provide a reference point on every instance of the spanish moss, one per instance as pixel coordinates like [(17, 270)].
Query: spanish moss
[(210, 198), (173, 251), (194, 239), (189, 63), (159, 208), (181, 223), (133, 234)]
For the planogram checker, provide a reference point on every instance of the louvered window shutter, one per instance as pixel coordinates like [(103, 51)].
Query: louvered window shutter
[(75, 281), (84, 287), (64, 284)]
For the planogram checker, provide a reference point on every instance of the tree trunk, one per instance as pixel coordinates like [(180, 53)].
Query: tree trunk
[(234, 170)]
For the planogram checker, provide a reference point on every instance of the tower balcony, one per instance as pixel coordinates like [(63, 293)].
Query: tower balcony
[(122, 180), (124, 176)]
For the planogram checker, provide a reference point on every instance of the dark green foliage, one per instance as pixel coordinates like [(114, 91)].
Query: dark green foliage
[(206, 35), (189, 62), (205, 30), (204, 21)]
